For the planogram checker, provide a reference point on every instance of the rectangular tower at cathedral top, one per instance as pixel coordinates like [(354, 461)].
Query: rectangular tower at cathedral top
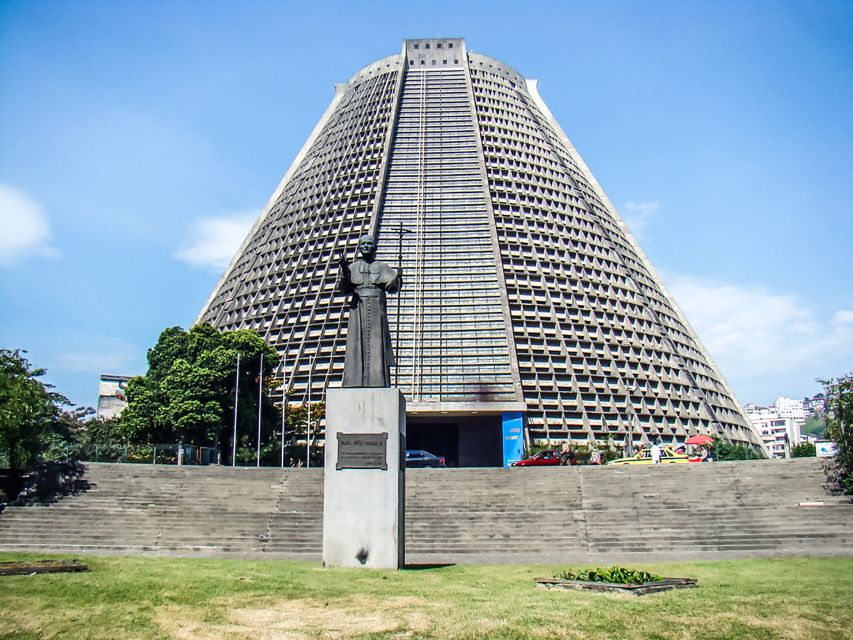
[(435, 52)]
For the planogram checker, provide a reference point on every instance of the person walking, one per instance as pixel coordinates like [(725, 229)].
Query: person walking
[(565, 453), (656, 453)]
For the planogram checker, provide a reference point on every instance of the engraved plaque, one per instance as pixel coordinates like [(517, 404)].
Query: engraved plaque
[(362, 451)]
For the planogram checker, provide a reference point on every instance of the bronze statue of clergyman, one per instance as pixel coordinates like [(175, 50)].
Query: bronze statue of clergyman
[(369, 355)]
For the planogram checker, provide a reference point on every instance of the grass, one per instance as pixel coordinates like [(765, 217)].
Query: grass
[(793, 598)]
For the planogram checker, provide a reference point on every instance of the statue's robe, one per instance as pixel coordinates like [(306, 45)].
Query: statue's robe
[(369, 353)]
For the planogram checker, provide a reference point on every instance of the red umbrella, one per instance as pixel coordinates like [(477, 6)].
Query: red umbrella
[(700, 439)]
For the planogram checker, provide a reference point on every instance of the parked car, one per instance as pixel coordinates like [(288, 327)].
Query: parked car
[(545, 458), (644, 456), (420, 458)]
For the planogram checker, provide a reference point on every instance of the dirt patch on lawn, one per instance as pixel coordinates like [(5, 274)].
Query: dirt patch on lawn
[(789, 624), (794, 626), (301, 619), (17, 624)]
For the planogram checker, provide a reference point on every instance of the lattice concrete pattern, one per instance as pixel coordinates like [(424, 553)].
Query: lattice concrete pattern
[(523, 289)]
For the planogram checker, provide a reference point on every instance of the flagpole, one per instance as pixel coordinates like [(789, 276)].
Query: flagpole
[(236, 398), (260, 407), (308, 425), (283, 410)]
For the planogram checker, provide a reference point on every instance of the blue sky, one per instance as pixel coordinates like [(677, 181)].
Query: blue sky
[(139, 139)]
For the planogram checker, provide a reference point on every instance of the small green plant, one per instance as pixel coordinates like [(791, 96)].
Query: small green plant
[(614, 574)]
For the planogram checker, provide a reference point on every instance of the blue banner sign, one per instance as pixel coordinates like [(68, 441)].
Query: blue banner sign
[(513, 441)]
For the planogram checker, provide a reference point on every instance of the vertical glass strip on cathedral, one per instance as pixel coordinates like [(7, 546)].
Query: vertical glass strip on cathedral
[(451, 332)]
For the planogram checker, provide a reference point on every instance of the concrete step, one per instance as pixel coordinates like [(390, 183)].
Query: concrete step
[(691, 510)]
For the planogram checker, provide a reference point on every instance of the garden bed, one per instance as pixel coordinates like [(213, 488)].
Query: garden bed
[(637, 589), (40, 566)]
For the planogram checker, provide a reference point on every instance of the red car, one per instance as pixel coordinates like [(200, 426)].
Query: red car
[(546, 458)]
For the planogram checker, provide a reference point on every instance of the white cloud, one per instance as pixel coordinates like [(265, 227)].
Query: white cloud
[(214, 241), (756, 334), (843, 317), (637, 215), (111, 355), (25, 228)]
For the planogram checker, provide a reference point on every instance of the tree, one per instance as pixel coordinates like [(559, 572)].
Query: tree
[(69, 427), (839, 423), (297, 429), (188, 393), (28, 409), (815, 426), (75, 431)]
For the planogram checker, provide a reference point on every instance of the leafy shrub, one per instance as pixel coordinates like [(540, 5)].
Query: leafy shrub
[(540, 445), (141, 453), (614, 574), (607, 455), (582, 451), (722, 450), (804, 450), (839, 422)]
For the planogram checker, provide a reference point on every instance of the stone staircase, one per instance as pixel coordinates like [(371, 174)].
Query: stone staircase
[(186, 510), (623, 514), (556, 514)]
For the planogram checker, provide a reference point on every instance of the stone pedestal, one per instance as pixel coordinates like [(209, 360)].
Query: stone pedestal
[(364, 481)]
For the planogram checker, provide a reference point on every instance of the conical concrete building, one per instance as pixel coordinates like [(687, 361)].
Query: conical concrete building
[(527, 306)]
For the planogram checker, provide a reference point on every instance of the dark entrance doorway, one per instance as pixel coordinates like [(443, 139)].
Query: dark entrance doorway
[(442, 439), (463, 441)]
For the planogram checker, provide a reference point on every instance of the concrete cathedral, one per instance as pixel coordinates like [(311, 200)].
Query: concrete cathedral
[(528, 309)]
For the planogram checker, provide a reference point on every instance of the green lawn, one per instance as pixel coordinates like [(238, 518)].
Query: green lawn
[(230, 599)]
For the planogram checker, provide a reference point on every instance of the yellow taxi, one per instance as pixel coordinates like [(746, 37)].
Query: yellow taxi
[(644, 456)]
